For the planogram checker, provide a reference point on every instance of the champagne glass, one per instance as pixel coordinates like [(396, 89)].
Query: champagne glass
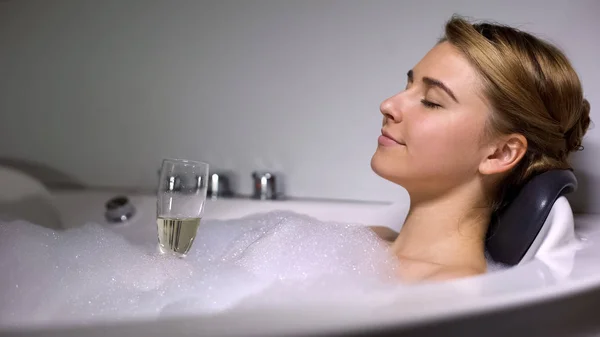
[(180, 204)]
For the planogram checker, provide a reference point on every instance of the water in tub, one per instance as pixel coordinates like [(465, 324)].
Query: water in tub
[(279, 258)]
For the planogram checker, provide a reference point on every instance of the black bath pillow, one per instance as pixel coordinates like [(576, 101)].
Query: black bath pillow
[(513, 229)]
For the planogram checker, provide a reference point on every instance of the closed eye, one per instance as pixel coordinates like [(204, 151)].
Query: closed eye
[(430, 105)]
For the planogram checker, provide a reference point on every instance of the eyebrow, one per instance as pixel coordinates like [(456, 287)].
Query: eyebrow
[(432, 82)]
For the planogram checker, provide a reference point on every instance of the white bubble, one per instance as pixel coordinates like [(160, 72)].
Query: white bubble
[(279, 258)]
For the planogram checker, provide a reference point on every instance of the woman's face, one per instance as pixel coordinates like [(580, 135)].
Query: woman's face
[(433, 131)]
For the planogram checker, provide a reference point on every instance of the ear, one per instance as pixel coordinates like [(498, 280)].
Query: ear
[(504, 154)]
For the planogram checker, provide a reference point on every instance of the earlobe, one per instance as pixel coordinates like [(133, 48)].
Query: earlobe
[(504, 155)]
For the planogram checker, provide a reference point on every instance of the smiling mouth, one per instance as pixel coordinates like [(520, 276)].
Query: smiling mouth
[(386, 140)]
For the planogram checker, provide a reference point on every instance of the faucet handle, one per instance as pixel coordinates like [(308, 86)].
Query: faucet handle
[(267, 185), (219, 185)]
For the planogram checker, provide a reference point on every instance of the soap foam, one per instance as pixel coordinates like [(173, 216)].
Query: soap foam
[(278, 258)]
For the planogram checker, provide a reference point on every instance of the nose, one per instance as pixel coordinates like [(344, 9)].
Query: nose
[(390, 108)]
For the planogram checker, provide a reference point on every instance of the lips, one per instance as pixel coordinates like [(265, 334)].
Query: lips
[(387, 139)]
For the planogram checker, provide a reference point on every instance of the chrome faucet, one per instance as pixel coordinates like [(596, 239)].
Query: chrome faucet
[(219, 185), (267, 186)]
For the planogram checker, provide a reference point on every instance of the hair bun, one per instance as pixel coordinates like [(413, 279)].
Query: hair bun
[(574, 136)]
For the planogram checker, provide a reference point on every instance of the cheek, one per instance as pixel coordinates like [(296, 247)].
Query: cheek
[(439, 152), (447, 142)]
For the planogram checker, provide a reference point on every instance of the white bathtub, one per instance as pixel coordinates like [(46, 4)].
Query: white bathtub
[(562, 292)]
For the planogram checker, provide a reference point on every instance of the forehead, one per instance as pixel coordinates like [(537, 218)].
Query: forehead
[(446, 63)]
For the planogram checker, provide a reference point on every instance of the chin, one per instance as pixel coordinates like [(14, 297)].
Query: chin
[(386, 167)]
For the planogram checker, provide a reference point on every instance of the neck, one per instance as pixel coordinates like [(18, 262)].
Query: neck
[(445, 231)]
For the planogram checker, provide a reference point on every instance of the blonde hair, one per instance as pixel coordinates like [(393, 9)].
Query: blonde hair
[(533, 90)]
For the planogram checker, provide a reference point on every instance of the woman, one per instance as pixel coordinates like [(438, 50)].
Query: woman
[(486, 109)]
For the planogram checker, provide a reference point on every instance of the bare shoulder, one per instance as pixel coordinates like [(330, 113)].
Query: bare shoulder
[(384, 233)]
